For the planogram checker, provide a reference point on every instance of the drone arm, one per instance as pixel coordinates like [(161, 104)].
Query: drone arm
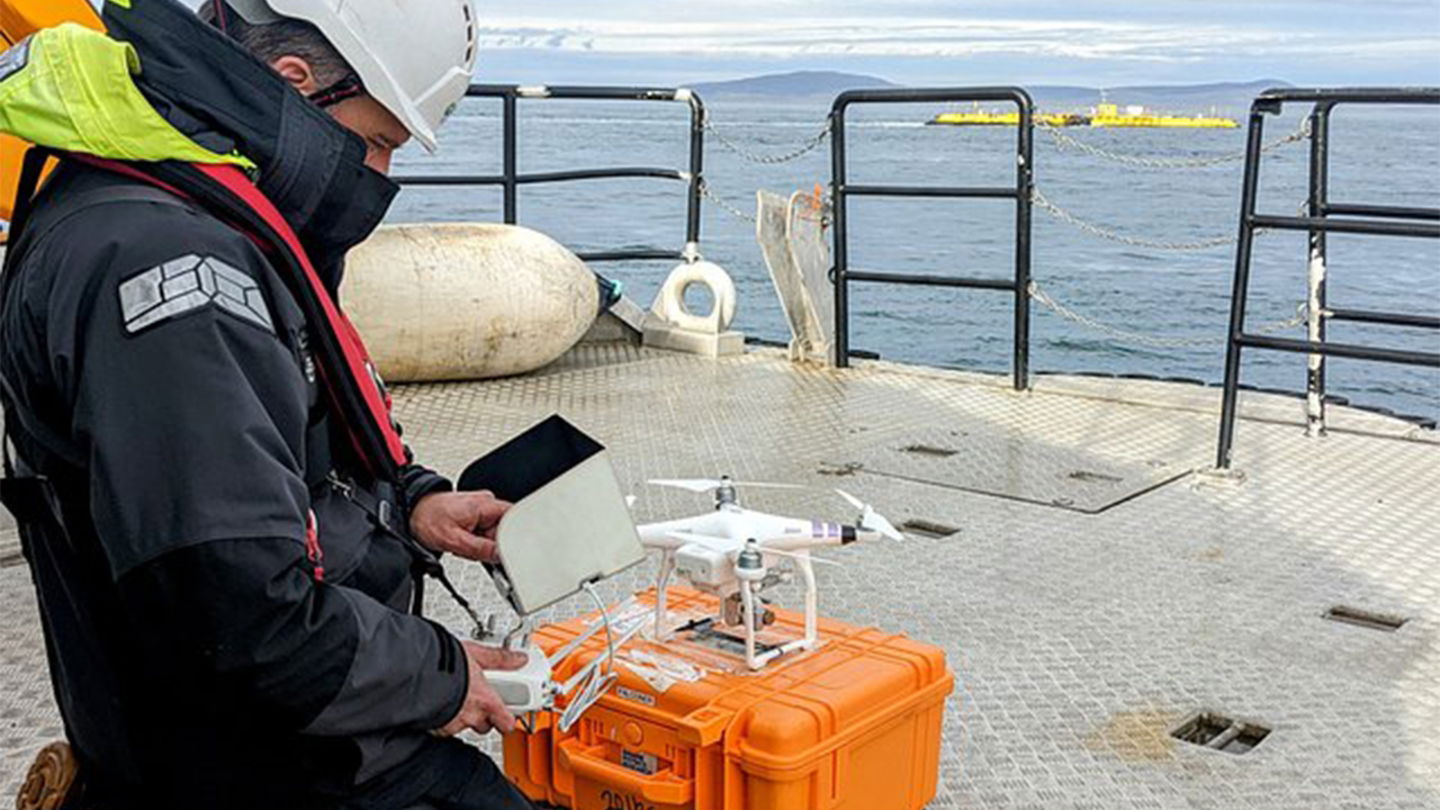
[(660, 536), (798, 542)]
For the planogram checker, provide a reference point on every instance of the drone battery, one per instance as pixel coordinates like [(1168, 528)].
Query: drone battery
[(704, 565), (851, 725)]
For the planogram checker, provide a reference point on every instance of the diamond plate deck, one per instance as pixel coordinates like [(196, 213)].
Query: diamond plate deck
[(1012, 465), (1078, 639)]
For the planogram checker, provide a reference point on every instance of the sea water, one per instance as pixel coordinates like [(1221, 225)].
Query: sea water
[(1379, 156)]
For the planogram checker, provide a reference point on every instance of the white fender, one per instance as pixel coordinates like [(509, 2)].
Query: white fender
[(466, 301), (670, 303)]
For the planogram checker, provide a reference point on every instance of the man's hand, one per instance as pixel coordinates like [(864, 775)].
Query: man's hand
[(483, 710), (460, 523)]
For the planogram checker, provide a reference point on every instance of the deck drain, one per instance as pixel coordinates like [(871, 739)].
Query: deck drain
[(1219, 733), (929, 450), (1365, 618), (1094, 477), (926, 528)]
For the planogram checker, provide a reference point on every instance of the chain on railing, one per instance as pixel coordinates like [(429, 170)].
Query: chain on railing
[(1302, 316), (1115, 236), (806, 147), (1065, 141), (724, 204)]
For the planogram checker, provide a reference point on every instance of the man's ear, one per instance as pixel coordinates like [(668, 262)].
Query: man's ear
[(296, 71)]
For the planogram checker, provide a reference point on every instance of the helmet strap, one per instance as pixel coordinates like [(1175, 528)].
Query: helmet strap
[(348, 87), (221, 21)]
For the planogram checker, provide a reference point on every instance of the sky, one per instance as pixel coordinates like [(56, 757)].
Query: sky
[(1094, 43), (1084, 42)]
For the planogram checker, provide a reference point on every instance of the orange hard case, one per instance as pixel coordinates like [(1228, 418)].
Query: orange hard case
[(851, 725)]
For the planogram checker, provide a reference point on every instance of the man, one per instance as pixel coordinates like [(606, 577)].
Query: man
[(223, 564)]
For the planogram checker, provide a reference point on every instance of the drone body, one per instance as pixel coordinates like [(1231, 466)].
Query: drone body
[(729, 553), (705, 546)]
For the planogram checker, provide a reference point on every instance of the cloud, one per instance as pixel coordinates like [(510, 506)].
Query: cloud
[(1321, 41), (933, 37)]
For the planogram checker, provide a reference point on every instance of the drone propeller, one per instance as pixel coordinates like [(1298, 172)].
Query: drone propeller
[(870, 519), (708, 484)]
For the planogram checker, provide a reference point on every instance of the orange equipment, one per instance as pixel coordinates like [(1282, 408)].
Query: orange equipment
[(851, 725), (20, 19)]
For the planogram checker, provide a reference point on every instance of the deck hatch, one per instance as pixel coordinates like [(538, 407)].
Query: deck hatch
[(927, 528), (1010, 464), (1219, 733), (1095, 478), (929, 450), (1364, 618)]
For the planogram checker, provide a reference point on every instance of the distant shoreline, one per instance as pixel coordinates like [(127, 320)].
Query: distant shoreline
[(815, 86)]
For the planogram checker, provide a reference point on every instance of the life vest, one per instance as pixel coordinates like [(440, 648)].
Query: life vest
[(355, 392), (20, 19)]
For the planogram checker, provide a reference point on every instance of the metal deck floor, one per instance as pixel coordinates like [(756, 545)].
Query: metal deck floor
[(1079, 636)]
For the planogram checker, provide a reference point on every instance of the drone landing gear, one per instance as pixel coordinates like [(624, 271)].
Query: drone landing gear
[(751, 607), (744, 607), (662, 584), (705, 632)]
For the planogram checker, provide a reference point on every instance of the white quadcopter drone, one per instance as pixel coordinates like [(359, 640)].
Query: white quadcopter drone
[(728, 553)]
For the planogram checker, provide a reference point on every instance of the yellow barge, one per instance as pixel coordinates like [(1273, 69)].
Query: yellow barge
[(1109, 115), (1104, 115), (978, 118)]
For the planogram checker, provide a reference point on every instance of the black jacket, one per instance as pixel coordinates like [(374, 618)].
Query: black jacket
[(157, 373)]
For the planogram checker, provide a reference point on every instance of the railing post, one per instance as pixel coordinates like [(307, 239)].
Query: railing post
[(842, 249), (510, 178), (1241, 289), (1025, 187), (510, 152), (697, 175), (1317, 268), (1021, 192)]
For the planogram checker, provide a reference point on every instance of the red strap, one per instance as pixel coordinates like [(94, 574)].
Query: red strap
[(127, 170), (312, 546), (357, 358)]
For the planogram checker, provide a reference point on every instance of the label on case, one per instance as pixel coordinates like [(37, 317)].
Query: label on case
[(640, 763), (635, 695)]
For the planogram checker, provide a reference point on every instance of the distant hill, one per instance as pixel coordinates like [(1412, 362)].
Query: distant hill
[(1231, 96), (789, 85)]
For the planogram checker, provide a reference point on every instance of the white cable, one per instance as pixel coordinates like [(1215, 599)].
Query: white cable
[(605, 617), (596, 685)]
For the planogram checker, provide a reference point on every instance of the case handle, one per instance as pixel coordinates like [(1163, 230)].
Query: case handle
[(663, 787)]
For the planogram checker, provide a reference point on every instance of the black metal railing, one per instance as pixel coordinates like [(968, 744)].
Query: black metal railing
[(1320, 220), (511, 178), (1021, 193)]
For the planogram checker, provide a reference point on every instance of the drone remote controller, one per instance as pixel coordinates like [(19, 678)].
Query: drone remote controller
[(527, 689)]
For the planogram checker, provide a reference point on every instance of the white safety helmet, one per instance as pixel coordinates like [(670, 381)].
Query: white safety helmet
[(415, 57)]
